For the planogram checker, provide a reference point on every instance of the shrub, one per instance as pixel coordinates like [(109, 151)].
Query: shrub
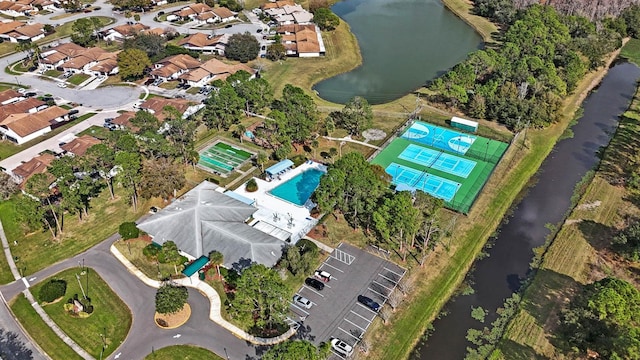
[(52, 290), (128, 230), (306, 246), (170, 299), (251, 186), (151, 251)]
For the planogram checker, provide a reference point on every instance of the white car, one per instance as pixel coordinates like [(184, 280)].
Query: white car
[(341, 347), (322, 275), (62, 85), (303, 302), (22, 90)]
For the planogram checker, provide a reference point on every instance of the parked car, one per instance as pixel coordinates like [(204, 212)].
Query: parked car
[(314, 283), (73, 112), (108, 120), (368, 302), (322, 275), (30, 94), (153, 210), (341, 347), (22, 90), (303, 302)]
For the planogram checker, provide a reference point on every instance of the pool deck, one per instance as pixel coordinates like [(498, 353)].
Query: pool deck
[(277, 212)]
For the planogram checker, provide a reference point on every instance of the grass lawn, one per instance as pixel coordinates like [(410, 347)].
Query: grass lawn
[(8, 148), (169, 85), (110, 313), (40, 332), (53, 73), (78, 79), (105, 215), (631, 51), (132, 250), (96, 131), (464, 10), (182, 352), (576, 255)]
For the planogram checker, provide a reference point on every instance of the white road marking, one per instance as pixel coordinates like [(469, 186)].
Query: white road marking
[(33, 278), (354, 324), (360, 316), (331, 266), (117, 355), (391, 271), (348, 333), (26, 283), (176, 336)]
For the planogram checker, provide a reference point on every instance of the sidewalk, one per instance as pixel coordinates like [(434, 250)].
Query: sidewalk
[(214, 299)]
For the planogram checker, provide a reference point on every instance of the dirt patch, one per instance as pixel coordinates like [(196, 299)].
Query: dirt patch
[(172, 321), (589, 206)]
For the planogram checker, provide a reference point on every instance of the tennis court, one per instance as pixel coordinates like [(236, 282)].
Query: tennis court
[(222, 158), (438, 160), (455, 168), (407, 178), (439, 137)]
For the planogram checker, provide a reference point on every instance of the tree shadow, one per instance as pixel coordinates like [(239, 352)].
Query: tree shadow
[(514, 351), (11, 348), (597, 235), (547, 294)]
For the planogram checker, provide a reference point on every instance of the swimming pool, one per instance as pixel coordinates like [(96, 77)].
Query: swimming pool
[(439, 137), (298, 189)]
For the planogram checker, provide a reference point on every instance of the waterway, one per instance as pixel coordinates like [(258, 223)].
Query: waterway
[(495, 278), (404, 43)]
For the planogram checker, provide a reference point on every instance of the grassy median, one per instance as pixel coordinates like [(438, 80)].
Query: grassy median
[(182, 352)]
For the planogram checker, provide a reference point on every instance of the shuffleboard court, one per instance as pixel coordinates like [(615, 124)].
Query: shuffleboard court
[(438, 160), (407, 178), (222, 158)]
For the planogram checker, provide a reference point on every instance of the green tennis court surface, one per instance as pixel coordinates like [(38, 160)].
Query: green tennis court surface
[(222, 158), (453, 176)]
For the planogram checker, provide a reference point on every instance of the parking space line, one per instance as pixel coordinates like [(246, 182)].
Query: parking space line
[(310, 289), (393, 272), (348, 333), (383, 296), (369, 310), (354, 324), (388, 288), (331, 266), (391, 281), (360, 316), (299, 308), (337, 354)]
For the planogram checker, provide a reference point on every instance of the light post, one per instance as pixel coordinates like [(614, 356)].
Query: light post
[(225, 353)]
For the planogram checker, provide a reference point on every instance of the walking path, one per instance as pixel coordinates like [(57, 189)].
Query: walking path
[(349, 139)]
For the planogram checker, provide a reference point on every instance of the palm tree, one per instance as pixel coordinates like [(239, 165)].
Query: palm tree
[(261, 159), (314, 146), (216, 258), (240, 131)]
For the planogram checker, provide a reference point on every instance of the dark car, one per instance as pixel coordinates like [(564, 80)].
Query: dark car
[(368, 302), (314, 283), (228, 26), (30, 94), (73, 112)]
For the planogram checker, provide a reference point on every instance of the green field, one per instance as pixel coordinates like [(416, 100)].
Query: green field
[(486, 154), (182, 352), (631, 51), (111, 316), (222, 158)]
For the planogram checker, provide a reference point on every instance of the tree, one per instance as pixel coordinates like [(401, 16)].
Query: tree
[(223, 108), (160, 178), (180, 133), (627, 242), (326, 19), (356, 116), (146, 121), (82, 32), (171, 298), (101, 158), (32, 215), (239, 132), (216, 258), (128, 173), (242, 47), (170, 254), (261, 297), (276, 52), (8, 187), (131, 4), (132, 63), (261, 159), (151, 44), (257, 93), (299, 114), (38, 186), (128, 230), (72, 5), (397, 217), (52, 290), (96, 24), (314, 5), (605, 317), (294, 350)]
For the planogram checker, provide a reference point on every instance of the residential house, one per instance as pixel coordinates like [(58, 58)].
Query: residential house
[(223, 15), (155, 31), (10, 96), (37, 165), (26, 106), (122, 32), (156, 107), (191, 12), (172, 67), (107, 64), (53, 57), (80, 145), (212, 70), (287, 13), (16, 31), (15, 9), (302, 40), (123, 121), (22, 127), (85, 60), (206, 43)]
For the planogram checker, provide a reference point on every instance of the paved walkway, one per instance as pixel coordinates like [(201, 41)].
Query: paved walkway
[(211, 294), (349, 139)]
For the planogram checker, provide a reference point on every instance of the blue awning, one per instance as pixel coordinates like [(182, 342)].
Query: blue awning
[(281, 166), (195, 266), (239, 197)]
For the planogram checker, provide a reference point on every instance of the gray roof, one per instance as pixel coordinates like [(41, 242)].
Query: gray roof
[(204, 219)]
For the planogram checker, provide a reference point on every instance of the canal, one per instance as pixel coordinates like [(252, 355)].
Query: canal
[(404, 43), (495, 278)]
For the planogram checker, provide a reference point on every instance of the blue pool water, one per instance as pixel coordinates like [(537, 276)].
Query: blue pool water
[(298, 189), (439, 137), (407, 178), (249, 134), (438, 160)]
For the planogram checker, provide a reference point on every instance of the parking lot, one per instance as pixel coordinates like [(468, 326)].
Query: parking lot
[(335, 312)]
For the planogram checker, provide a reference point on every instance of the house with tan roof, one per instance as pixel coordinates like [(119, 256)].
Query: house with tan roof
[(16, 9), (37, 165), (156, 107), (212, 70), (84, 61), (191, 12), (22, 127), (53, 57), (122, 32), (287, 13), (15, 31), (123, 121), (155, 31), (223, 15), (206, 43), (80, 145), (172, 67), (26, 106), (10, 96), (302, 40)]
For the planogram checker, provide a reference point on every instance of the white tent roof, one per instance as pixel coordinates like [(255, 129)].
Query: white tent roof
[(204, 220)]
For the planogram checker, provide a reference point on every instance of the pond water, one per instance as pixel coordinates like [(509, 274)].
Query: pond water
[(498, 276), (404, 43)]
